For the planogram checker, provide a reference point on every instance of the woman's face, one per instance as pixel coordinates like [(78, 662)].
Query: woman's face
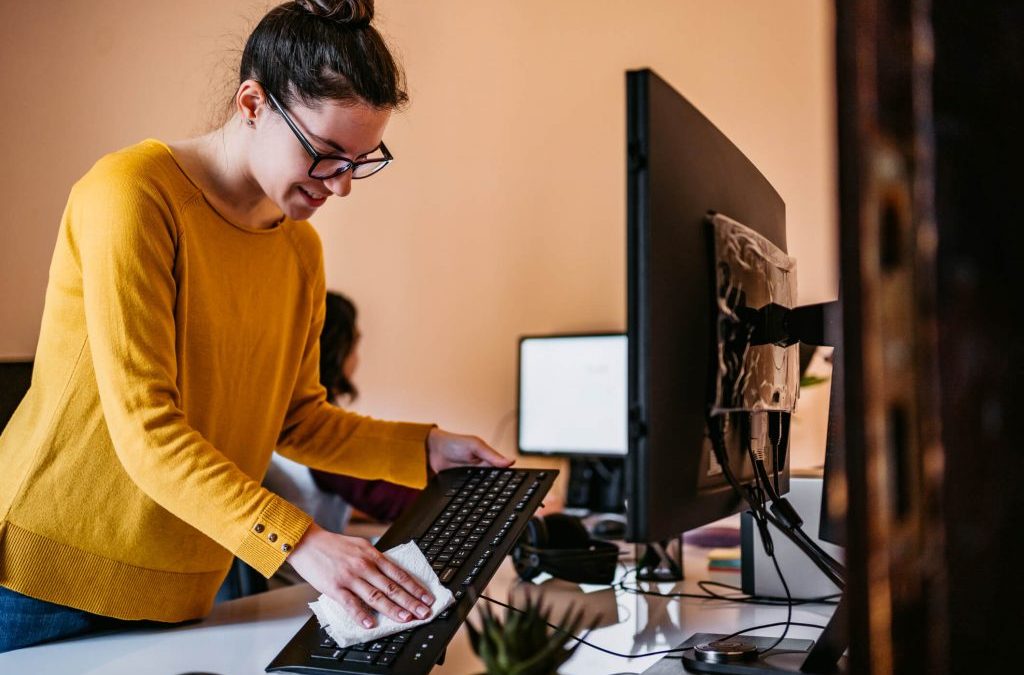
[(280, 164)]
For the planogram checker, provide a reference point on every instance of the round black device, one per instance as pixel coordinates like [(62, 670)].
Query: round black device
[(732, 650)]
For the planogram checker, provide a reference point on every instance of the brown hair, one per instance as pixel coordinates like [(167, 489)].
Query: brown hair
[(317, 50)]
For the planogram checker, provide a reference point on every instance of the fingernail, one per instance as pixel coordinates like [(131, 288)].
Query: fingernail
[(404, 615), (427, 599), (368, 623), (422, 611)]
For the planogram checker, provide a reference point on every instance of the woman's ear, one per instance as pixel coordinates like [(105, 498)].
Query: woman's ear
[(249, 98)]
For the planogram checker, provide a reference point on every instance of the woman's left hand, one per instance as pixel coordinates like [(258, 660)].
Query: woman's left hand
[(446, 450)]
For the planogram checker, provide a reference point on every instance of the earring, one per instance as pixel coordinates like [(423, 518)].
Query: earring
[(250, 123)]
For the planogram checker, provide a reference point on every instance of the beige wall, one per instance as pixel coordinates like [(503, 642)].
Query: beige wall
[(504, 213)]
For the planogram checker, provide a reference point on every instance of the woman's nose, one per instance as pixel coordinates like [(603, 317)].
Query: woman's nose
[(340, 185)]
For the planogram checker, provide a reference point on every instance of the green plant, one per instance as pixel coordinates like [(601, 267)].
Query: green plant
[(522, 645), (811, 380)]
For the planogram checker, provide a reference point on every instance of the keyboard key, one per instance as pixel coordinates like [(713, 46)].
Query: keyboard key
[(448, 574), (386, 659), (377, 647), (329, 654), (394, 647), (359, 657)]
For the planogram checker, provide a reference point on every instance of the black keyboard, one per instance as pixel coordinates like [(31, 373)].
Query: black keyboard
[(465, 522)]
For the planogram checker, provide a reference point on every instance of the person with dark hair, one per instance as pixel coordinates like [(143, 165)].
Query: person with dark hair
[(179, 345), (338, 342), (380, 499)]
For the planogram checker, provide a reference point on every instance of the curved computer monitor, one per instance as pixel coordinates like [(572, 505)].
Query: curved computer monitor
[(680, 167)]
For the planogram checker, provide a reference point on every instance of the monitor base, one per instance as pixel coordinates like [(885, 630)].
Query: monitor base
[(787, 657), (660, 560)]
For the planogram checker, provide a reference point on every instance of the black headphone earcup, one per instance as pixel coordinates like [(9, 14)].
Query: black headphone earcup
[(565, 531), (526, 552)]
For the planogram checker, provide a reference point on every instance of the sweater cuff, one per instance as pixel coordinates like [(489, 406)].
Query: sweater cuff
[(272, 536), (410, 464)]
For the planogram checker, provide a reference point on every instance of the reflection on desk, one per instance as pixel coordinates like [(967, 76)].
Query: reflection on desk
[(242, 636), (638, 624)]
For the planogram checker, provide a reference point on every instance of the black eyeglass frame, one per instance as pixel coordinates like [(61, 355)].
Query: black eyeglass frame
[(349, 165)]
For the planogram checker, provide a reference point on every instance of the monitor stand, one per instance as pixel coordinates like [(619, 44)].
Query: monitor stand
[(597, 485), (660, 560)]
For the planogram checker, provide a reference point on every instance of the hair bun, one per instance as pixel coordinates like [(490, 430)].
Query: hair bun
[(354, 13)]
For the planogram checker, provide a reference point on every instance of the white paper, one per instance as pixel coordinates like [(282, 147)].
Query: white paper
[(347, 631)]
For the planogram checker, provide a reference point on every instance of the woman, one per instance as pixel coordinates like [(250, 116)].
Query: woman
[(178, 347)]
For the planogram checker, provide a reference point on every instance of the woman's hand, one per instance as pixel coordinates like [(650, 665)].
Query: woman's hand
[(446, 450), (350, 571)]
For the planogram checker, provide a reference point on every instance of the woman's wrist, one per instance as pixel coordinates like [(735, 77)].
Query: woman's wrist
[(430, 434)]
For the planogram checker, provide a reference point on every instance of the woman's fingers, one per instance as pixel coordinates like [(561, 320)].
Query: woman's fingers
[(395, 574), (360, 578), (391, 590), (354, 606), (391, 601), (379, 601), (491, 456)]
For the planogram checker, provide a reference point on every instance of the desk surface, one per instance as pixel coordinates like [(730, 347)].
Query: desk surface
[(242, 636)]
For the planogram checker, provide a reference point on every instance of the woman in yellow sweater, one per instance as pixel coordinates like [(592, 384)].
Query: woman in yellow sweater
[(179, 347)]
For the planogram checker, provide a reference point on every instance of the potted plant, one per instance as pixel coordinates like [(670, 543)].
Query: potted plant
[(522, 644)]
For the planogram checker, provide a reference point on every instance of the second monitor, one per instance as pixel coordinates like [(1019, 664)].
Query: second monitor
[(572, 403)]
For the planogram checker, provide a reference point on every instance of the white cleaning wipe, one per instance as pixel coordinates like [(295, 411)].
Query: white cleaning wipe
[(344, 627)]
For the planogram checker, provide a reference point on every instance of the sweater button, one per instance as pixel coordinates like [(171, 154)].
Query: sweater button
[(286, 547), (272, 537), (259, 528)]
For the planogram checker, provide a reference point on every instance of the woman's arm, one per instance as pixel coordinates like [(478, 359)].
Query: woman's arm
[(124, 239)]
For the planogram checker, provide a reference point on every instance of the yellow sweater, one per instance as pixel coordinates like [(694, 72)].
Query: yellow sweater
[(177, 350)]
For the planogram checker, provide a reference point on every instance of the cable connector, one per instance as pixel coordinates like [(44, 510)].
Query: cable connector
[(758, 433), (785, 512)]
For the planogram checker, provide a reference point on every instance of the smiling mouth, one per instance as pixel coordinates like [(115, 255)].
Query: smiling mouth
[(311, 195)]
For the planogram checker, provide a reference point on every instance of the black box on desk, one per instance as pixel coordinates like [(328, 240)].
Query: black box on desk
[(805, 580)]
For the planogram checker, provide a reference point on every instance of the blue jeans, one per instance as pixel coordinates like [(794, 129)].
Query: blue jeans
[(25, 621)]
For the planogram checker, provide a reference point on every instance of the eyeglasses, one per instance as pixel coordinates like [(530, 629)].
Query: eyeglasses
[(325, 167)]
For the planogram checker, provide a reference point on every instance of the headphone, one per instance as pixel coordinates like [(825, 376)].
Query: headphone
[(560, 545)]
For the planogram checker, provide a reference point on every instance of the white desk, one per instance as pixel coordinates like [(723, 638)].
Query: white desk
[(242, 636)]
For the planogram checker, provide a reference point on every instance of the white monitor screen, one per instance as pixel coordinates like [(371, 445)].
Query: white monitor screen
[(572, 395)]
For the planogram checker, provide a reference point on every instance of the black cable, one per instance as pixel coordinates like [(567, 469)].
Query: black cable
[(709, 595), (820, 557), (764, 599), (772, 625), (824, 562), (761, 517), (789, 607), (640, 656), (585, 642)]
